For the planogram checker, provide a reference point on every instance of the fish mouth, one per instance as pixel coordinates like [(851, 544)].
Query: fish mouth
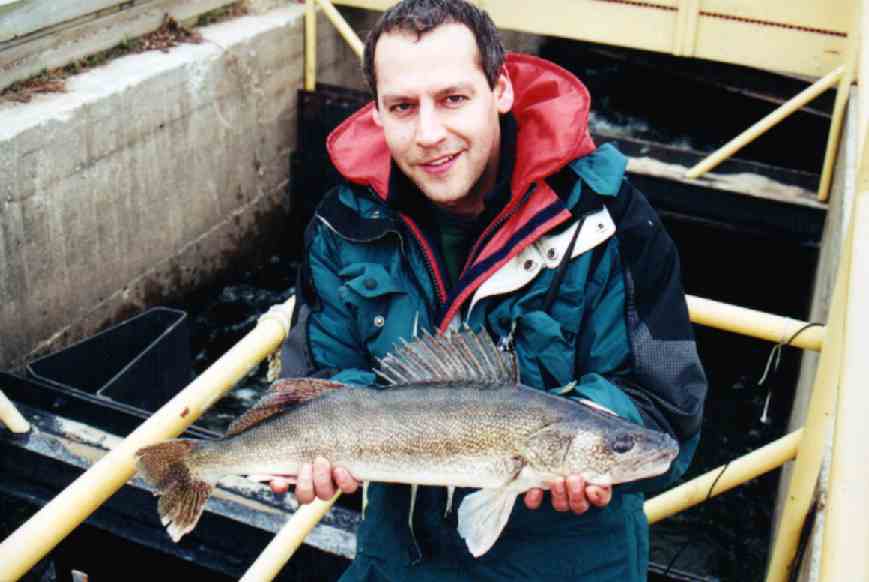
[(651, 465)]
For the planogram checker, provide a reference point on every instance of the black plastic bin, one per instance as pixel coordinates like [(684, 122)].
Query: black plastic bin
[(142, 362)]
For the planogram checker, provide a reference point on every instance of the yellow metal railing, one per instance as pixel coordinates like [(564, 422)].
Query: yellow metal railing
[(10, 416), (42, 532), (842, 77), (839, 345), (767, 123)]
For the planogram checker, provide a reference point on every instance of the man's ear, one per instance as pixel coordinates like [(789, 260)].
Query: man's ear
[(503, 92), (375, 116)]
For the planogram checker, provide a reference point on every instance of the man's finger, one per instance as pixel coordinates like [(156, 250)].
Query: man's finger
[(345, 481), (577, 501), (559, 495), (305, 484), (533, 498), (279, 485), (324, 487), (599, 495)]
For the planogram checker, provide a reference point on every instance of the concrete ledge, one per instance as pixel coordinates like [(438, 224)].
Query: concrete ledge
[(146, 178)]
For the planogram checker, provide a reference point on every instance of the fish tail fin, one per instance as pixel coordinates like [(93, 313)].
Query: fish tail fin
[(182, 491)]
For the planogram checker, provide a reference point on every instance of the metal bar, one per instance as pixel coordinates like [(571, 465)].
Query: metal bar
[(42, 532), (10, 416), (766, 123), (344, 29), (751, 322), (843, 555), (287, 541), (310, 45), (842, 93), (737, 472), (685, 37), (807, 465)]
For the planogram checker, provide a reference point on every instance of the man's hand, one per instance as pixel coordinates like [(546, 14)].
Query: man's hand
[(317, 480), (572, 493)]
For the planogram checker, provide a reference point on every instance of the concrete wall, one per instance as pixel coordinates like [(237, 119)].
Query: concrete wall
[(146, 178), (153, 173)]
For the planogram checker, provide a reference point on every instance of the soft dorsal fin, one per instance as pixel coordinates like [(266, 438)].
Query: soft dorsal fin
[(280, 395), (461, 356)]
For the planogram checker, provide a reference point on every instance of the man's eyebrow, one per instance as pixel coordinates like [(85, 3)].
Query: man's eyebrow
[(395, 97), (457, 88)]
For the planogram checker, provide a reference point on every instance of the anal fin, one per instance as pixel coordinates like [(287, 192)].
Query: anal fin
[(483, 515)]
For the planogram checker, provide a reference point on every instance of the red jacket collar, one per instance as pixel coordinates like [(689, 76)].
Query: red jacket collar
[(551, 109)]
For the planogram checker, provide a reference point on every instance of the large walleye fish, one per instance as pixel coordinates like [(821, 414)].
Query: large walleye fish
[(454, 415)]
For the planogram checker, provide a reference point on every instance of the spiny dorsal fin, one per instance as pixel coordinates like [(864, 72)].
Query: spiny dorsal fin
[(280, 395), (461, 356)]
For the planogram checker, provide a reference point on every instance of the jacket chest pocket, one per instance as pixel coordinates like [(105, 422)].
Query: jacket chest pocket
[(382, 309), (543, 334)]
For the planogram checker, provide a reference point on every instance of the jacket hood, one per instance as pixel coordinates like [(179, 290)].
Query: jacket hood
[(550, 107)]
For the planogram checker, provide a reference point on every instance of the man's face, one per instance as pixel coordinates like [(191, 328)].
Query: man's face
[(439, 115)]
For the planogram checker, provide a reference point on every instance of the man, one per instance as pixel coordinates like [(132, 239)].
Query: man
[(475, 194)]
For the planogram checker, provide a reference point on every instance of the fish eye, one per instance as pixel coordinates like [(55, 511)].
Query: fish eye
[(623, 443)]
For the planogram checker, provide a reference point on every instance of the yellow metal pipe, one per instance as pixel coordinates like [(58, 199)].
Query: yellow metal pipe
[(846, 530), (745, 468), (807, 465), (751, 322), (344, 29), (766, 123), (287, 541), (10, 416), (685, 31), (842, 93), (863, 76), (310, 45), (42, 532)]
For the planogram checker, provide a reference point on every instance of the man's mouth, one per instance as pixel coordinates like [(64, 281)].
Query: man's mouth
[(440, 165)]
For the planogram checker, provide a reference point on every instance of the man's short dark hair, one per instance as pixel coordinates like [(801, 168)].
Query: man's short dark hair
[(422, 16)]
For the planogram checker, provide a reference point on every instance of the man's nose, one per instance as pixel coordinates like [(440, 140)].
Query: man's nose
[(430, 128)]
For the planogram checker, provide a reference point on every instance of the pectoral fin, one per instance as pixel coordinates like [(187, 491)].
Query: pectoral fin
[(451, 490), (482, 517)]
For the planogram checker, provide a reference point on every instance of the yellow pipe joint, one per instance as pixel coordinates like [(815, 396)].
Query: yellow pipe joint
[(750, 322), (743, 469)]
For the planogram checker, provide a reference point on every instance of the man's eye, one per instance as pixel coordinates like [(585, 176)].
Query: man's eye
[(401, 108), (456, 99)]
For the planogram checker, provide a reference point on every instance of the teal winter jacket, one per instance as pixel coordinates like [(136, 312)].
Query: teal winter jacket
[(575, 273)]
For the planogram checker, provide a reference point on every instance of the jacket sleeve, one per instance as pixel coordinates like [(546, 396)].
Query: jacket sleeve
[(322, 341), (636, 353)]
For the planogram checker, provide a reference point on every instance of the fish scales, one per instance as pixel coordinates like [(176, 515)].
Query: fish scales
[(447, 431), (455, 415)]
